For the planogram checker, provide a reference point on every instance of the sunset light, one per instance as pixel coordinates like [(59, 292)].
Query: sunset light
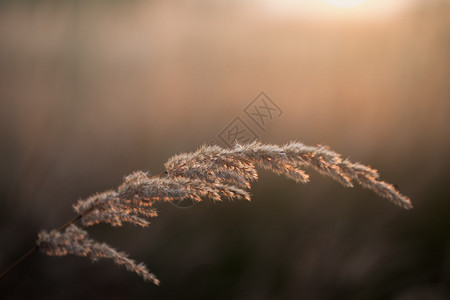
[(313, 9), (345, 3)]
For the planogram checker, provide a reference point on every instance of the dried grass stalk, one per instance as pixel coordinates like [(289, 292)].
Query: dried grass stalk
[(210, 172)]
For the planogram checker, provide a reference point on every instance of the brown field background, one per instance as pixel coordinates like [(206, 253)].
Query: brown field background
[(93, 90)]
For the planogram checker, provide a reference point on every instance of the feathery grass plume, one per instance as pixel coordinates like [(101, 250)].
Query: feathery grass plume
[(139, 186), (132, 201), (109, 207), (212, 164), (215, 164), (210, 172), (76, 241)]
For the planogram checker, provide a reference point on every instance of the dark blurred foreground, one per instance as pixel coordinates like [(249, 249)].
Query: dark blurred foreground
[(91, 91)]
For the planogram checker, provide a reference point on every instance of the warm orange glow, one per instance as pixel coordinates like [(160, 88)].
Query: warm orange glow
[(345, 3)]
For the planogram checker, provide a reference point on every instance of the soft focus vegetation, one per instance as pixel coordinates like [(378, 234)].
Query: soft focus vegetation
[(93, 90)]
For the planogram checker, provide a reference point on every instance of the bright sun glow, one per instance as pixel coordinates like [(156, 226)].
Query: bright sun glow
[(345, 3), (341, 9)]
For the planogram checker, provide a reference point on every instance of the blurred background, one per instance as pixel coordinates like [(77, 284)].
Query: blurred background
[(93, 90)]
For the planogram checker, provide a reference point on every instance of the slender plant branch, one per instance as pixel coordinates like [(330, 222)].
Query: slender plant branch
[(75, 219), (32, 250), (19, 261)]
